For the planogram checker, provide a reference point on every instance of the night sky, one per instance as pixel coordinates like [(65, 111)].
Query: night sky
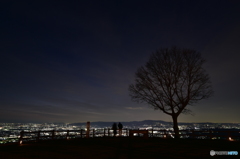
[(72, 61)]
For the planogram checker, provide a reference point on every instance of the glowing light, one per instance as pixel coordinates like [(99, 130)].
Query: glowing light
[(230, 139)]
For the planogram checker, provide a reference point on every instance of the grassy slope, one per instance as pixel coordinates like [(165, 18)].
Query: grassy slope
[(114, 148)]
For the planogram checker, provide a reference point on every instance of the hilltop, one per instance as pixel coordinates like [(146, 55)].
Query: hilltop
[(118, 148)]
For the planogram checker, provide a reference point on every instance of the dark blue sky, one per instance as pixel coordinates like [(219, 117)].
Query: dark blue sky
[(72, 61)]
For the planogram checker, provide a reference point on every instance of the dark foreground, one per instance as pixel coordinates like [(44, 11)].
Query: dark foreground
[(119, 148)]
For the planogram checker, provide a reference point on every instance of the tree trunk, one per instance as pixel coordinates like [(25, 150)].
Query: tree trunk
[(175, 127)]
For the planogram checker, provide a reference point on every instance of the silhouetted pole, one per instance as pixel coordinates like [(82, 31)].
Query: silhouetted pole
[(21, 137), (67, 135), (193, 134), (210, 132), (38, 136), (165, 133), (88, 129), (53, 134), (108, 132), (228, 135)]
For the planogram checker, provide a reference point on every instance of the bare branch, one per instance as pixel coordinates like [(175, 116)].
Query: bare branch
[(171, 80)]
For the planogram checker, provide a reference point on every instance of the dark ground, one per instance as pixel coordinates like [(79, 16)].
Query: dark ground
[(119, 148)]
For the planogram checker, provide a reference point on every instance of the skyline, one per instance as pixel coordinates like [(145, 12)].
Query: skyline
[(73, 61)]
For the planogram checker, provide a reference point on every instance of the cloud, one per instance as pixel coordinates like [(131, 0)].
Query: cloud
[(133, 108)]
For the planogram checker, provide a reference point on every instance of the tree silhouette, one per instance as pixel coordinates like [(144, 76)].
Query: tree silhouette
[(172, 79)]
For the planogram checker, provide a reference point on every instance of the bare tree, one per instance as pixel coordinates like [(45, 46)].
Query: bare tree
[(171, 80)]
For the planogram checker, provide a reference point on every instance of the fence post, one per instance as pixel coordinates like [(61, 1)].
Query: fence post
[(67, 135), (88, 129), (165, 133), (38, 136), (108, 132), (104, 132), (81, 133), (53, 134), (193, 134), (21, 137), (152, 132), (93, 133), (210, 133), (228, 138)]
